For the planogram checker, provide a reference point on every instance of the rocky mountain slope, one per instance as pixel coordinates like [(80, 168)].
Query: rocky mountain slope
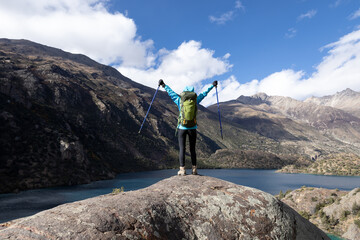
[(347, 100), (333, 211), (330, 121), (66, 119), (313, 130), (191, 207)]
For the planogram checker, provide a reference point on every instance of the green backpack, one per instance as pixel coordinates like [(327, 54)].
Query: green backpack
[(188, 109)]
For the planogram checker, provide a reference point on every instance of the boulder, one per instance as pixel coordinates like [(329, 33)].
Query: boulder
[(188, 207), (346, 204)]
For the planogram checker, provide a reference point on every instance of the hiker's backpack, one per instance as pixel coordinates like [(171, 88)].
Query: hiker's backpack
[(188, 109)]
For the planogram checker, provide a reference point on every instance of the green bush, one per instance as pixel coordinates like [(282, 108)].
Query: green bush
[(281, 195), (355, 209), (319, 206), (344, 215), (288, 191), (117, 190), (329, 201), (314, 199), (357, 222), (305, 215)]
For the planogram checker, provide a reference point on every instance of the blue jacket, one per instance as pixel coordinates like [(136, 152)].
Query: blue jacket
[(176, 98)]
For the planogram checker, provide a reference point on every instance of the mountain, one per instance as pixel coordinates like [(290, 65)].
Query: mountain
[(328, 120), (66, 119), (311, 129), (347, 100)]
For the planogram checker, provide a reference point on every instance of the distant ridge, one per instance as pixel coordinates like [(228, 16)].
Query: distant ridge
[(347, 100)]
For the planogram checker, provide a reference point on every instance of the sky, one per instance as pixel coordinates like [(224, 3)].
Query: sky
[(294, 48)]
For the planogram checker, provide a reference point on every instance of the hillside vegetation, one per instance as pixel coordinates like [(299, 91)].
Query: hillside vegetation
[(332, 164)]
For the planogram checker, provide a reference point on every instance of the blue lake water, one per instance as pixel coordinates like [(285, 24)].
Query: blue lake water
[(16, 205)]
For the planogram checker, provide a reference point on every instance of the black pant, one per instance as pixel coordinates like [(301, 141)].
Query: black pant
[(182, 141)]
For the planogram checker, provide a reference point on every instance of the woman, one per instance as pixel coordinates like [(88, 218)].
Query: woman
[(186, 126)]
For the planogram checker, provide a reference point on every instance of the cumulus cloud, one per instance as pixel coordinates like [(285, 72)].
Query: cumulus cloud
[(227, 16), (310, 14), (338, 70), (78, 26), (189, 64), (87, 27), (230, 89)]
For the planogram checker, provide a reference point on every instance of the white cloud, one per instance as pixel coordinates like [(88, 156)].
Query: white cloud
[(230, 89), (86, 26), (336, 3), (78, 26), (310, 14), (189, 64), (339, 70), (239, 5), (291, 33), (227, 16), (355, 15)]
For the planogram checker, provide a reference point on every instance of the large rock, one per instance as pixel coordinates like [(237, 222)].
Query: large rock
[(332, 210), (190, 207), (346, 204)]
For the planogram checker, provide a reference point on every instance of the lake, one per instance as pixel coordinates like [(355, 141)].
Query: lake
[(16, 205)]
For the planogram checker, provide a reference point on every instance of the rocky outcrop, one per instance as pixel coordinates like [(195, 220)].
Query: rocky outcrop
[(333, 211), (190, 207)]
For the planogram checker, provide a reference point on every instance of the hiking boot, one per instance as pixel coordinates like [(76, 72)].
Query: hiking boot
[(182, 171), (194, 170)]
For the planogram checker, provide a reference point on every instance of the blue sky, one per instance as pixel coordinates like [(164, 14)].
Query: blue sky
[(256, 35), (295, 48)]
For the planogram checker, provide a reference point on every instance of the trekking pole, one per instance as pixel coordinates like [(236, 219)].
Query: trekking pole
[(148, 109), (217, 98)]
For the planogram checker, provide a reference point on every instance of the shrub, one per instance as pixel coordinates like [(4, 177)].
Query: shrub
[(355, 208), (329, 201), (314, 199), (117, 190), (344, 215), (305, 215), (288, 191), (319, 206), (281, 195), (357, 223)]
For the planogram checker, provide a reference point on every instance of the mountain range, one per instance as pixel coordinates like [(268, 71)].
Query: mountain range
[(66, 119)]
